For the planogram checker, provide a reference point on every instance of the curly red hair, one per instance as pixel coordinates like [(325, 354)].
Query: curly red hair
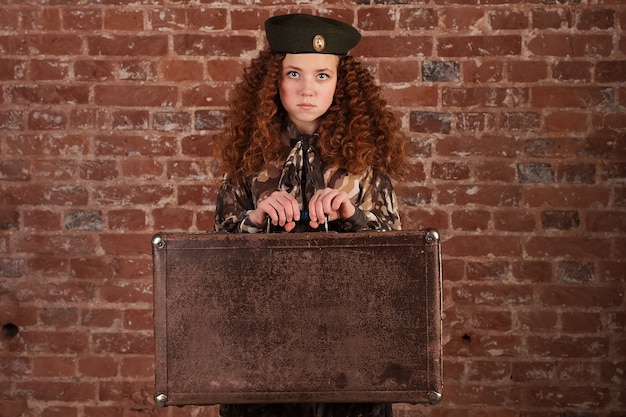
[(355, 133)]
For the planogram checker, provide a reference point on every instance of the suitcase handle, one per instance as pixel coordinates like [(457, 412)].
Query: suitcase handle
[(304, 217)]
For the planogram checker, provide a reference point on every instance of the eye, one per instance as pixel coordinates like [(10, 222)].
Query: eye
[(292, 74), (323, 76)]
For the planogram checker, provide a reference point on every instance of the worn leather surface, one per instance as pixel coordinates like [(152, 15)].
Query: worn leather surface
[(322, 317)]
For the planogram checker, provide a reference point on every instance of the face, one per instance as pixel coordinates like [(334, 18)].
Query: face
[(306, 86)]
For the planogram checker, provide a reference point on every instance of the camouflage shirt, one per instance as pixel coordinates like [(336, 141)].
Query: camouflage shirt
[(301, 174)]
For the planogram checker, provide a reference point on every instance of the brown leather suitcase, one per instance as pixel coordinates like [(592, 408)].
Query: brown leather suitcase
[(307, 317)]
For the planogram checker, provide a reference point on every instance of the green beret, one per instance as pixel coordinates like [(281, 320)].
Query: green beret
[(307, 34)]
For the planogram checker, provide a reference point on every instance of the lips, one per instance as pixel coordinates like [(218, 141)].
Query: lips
[(306, 106)]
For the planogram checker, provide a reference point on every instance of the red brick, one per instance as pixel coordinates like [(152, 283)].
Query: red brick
[(167, 19), (527, 71), (544, 18), (577, 248), (489, 295), (50, 94), (105, 318), (532, 371), (538, 321), (464, 46), (58, 317), (417, 19), (86, 19), (572, 197), (251, 19), (205, 220), (566, 121), (139, 319), (136, 70), (97, 366), (55, 170), (394, 47), (56, 244), (126, 244), (122, 343), (572, 71), (145, 169), (200, 195), (489, 371), (461, 18), (577, 174), (489, 195), (476, 122), (154, 96), (470, 220), (417, 218), (611, 71), (170, 218), (144, 145), (606, 221), (224, 70), (54, 44), (197, 145), (480, 345), (571, 45), (55, 342), (567, 346), (514, 220), (213, 45), (508, 19), (482, 246), (596, 18), (127, 45), (90, 268), (59, 411), (568, 396), (54, 366), (487, 271), (130, 119), (372, 19), (182, 70), (127, 219), (481, 71), (205, 96), (549, 96), (578, 322), (103, 410), (410, 96), (398, 72), (137, 367), (450, 170), (59, 391), (123, 19), (99, 170), (48, 69), (47, 120), (484, 97), (581, 296)]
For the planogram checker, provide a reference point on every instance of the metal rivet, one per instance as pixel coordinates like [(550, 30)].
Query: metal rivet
[(160, 400), (434, 397), (158, 242), (432, 236)]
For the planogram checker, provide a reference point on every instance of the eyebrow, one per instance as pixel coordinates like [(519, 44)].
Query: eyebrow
[(291, 68)]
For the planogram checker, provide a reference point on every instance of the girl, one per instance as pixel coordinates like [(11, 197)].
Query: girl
[(308, 142)]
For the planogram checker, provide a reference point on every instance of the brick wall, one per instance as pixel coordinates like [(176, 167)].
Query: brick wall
[(516, 114)]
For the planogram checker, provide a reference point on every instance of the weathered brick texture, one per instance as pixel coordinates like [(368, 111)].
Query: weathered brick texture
[(516, 114)]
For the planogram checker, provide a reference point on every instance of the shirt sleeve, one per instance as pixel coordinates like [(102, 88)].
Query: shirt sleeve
[(233, 207), (376, 206)]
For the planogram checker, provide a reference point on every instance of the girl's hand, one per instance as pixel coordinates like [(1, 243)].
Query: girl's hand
[(329, 202), (280, 207)]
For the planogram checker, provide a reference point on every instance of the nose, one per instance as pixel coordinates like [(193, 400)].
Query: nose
[(307, 88)]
